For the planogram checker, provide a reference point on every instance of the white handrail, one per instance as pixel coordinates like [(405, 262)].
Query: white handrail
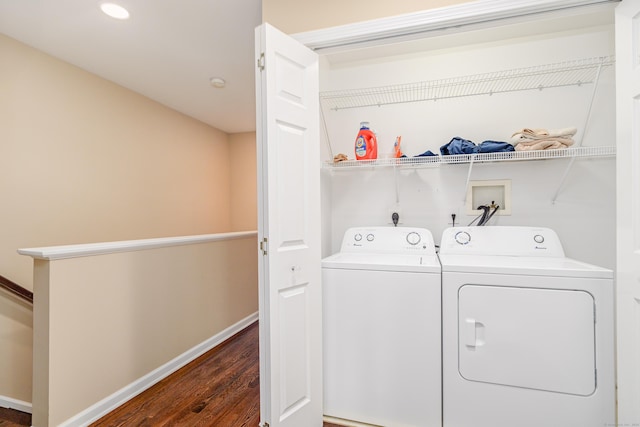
[(91, 249)]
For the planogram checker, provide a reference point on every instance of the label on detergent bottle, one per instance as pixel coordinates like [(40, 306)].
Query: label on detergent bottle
[(361, 146), (366, 146)]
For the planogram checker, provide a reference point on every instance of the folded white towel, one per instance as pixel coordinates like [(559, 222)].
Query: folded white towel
[(544, 144), (565, 132), (526, 134)]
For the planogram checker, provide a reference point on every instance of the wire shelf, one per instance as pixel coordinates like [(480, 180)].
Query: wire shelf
[(434, 161), (569, 73), (404, 162)]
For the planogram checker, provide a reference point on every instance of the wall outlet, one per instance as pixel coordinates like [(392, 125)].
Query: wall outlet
[(485, 192)]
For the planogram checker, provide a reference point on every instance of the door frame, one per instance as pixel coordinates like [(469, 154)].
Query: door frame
[(439, 21)]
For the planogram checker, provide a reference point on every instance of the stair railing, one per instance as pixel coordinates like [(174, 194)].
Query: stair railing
[(16, 289)]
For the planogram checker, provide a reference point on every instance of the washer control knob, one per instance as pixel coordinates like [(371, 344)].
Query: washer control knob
[(370, 237), (463, 238), (538, 238), (357, 237), (413, 238)]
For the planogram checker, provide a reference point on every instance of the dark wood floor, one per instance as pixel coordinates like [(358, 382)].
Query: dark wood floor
[(221, 388), (13, 418)]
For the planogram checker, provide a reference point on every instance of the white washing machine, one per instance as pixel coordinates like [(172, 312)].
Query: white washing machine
[(382, 330), (528, 334)]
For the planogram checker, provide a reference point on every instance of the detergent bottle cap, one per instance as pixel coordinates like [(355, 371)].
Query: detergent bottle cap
[(364, 125)]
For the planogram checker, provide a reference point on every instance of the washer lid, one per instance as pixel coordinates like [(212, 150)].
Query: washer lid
[(531, 266), (383, 262)]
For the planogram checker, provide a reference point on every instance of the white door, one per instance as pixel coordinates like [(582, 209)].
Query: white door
[(628, 210), (289, 231)]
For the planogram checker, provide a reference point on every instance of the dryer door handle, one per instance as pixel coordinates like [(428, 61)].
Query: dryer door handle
[(473, 333)]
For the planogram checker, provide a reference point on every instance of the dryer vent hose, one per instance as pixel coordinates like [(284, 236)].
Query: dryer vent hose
[(486, 214)]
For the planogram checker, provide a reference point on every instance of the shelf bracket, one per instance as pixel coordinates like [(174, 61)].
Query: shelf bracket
[(584, 131), (395, 173), (325, 131), (466, 187)]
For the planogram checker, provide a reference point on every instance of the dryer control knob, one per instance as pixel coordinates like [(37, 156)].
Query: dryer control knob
[(538, 238), (370, 237), (413, 238), (462, 237), (357, 237)]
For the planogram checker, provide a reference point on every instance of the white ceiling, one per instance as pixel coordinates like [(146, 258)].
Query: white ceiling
[(167, 51)]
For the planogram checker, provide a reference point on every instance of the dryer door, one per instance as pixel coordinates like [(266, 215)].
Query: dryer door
[(540, 339)]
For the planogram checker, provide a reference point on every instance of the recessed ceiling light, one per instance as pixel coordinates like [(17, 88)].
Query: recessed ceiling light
[(217, 82), (115, 11)]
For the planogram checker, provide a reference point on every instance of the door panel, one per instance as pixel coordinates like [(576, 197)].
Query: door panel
[(294, 352), (628, 210), (542, 339), (288, 227), (291, 210)]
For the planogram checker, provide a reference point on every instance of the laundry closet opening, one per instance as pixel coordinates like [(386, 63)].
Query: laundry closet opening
[(552, 73)]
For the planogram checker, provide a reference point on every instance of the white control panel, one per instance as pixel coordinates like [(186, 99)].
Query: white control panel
[(398, 240), (501, 240)]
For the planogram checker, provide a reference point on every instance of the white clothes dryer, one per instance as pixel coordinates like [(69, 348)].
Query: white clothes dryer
[(528, 334), (382, 329)]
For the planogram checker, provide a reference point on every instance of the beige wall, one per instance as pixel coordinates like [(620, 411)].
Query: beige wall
[(16, 347), (85, 160), (104, 321), (244, 201), (295, 16)]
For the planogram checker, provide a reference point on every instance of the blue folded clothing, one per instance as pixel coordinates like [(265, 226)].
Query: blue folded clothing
[(494, 147), (458, 146), (463, 146), (426, 154)]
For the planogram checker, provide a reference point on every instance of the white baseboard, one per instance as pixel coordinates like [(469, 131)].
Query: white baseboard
[(18, 405), (108, 404)]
